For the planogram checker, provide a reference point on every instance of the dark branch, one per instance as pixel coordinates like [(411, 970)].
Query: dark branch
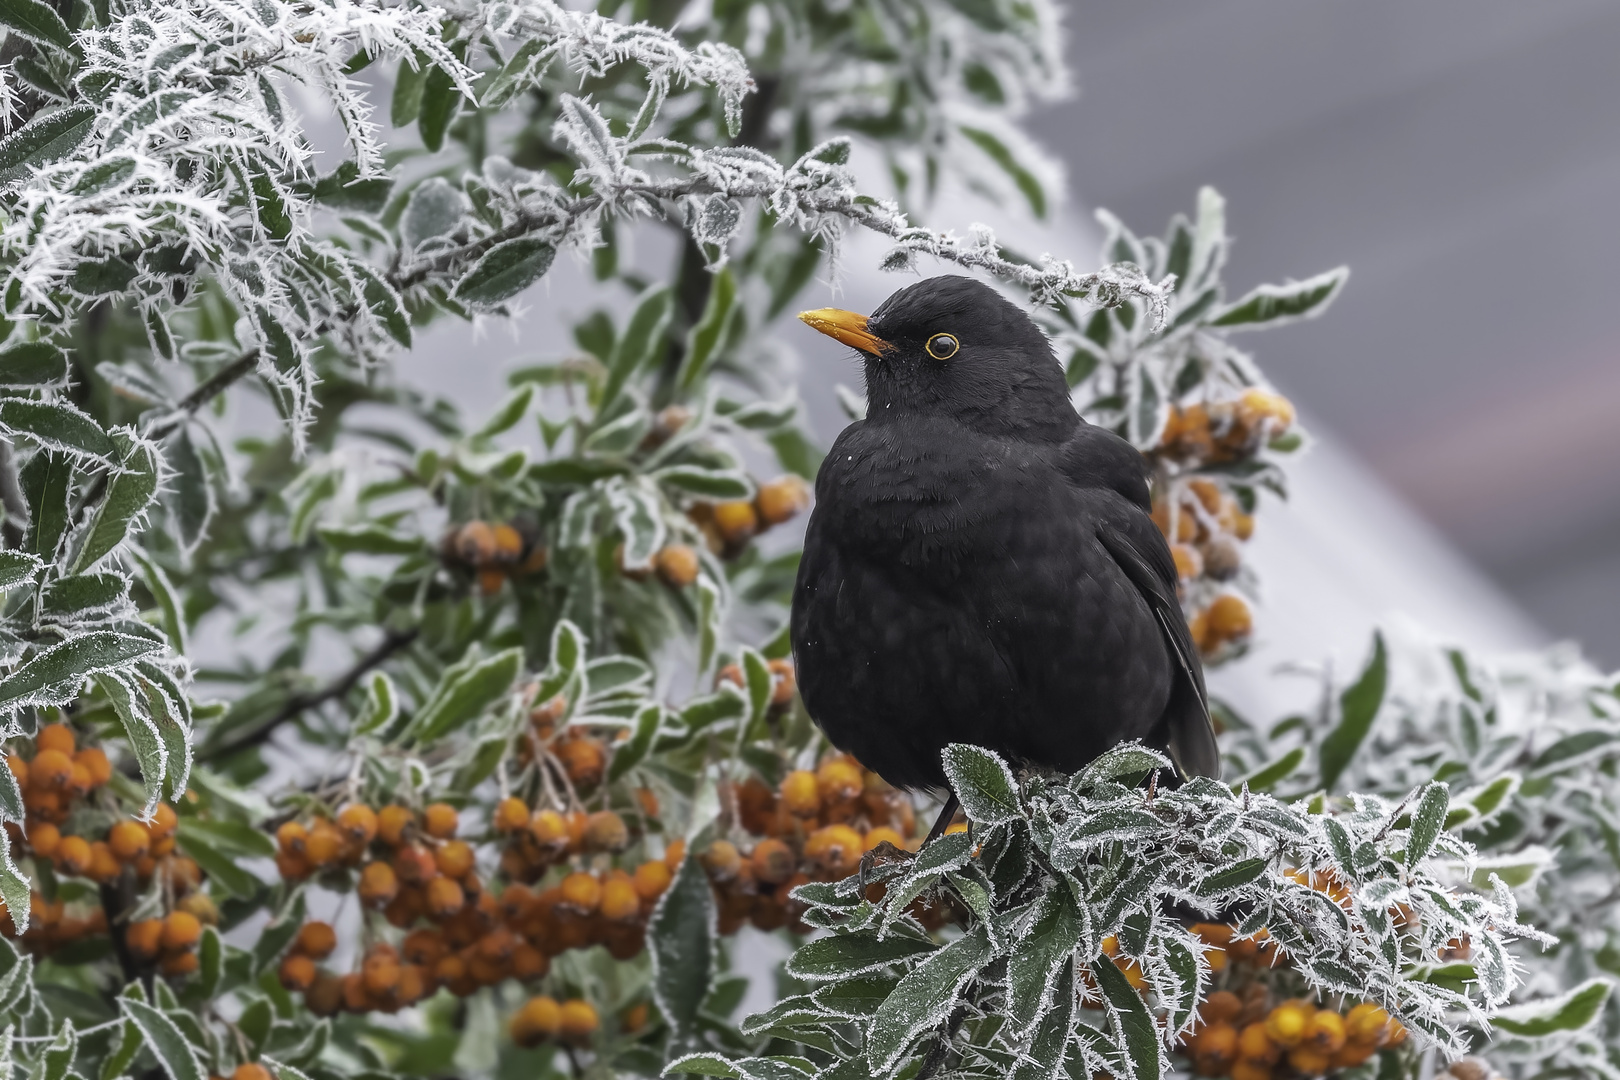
[(337, 688)]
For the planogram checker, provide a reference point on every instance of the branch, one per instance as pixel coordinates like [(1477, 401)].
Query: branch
[(337, 688)]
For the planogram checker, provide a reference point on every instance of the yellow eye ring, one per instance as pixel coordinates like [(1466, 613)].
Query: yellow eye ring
[(942, 346)]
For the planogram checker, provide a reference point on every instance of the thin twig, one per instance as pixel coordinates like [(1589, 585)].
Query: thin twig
[(259, 733)]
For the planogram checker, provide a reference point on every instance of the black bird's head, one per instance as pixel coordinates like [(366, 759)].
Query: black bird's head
[(955, 347)]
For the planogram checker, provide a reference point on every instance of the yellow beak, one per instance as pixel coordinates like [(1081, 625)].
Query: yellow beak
[(844, 326)]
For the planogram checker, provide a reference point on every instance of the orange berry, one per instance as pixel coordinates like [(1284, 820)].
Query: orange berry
[(606, 831), (1254, 1045), (392, 821), (325, 995), (1215, 1049), (315, 940), (44, 839), (1365, 1023), (651, 879), (57, 737), (511, 814), (647, 802), (773, 861), (95, 763), (1250, 1070), (291, 837), (1309, 1060), (164, 821), (104, 865), (201, 905), (475, 543), (440, 821), (781, 499), (579, 1020), (19, 769), (73, 855), (620, 901), (251, 1070), (675, 854), (539, 1019), (529, 962), (1263, 405), (297, 972), (784, 682), (378, 884), (358, 822), (581, 891), (1394, 1033), (839, 779), (1189, 563), (324, 843), (736, 521), (835, 848), (1222, 1006), (129, 840), (445, 897), (145, 938), (721, 859), (800, 793), (415, 864), (635, 1017), (291, 867), (176, 965), (584, 760), (1288, 1022), (181, 929), (50, 769), (677, 564), (549, 829), (1326, 1031), (1229, 618), (184, 873), (455, 858), (508, 544)]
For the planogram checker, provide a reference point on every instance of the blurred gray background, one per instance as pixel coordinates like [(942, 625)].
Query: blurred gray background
[(1463, 157)]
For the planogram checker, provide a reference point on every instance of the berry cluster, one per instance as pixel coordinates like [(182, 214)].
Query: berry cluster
[(728, 526), (58, 775), (544, 1018), (494, 552), (1198, 513), (1248, 1038)]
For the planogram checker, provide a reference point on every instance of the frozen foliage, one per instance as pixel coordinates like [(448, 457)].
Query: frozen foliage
[(1052, 867)]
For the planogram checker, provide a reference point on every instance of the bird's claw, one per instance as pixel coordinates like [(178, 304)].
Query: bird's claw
[(884, 854)]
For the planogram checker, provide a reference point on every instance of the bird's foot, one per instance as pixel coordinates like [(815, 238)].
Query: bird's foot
[(883, 855)]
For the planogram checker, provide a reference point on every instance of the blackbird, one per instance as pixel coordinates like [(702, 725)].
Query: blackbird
[(980, 565)]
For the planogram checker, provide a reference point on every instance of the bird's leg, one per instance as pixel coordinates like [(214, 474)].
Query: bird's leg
[(946, 815)]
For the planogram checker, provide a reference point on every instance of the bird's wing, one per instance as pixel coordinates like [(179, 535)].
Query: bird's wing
[(1190, 737)]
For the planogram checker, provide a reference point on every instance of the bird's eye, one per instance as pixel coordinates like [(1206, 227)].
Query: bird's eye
[(942, 346)]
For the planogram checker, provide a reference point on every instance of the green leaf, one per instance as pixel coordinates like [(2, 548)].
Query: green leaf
[(46, 479), (643, 338), (59, 669), (221, 868), (57, 1057), (129, 1044), (844, 956), (1572, 748), (1427, 821), (192, 498), (369, 539), (151, 753), (56, 426), (1267, 776), (633, 751), (702, 340), (12, 807), (1488, 798), (680, 940), (32, 363), (719, 484), (1575, 1010), (924, 998), (999, 152), (39, 22), (17, 568), (170, 1047), (504, 271), (211, 962), (513, 408), (381, 707), (440, 101), (231, 837), (129, 492), (17, 891), (1358, 706), (406, 104), (1232, 877), (983, 782), (1039, 953), (1143, 1051), (467, 689), (278, 934), (1284, 303), (1127, 760), (701, 1065)]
